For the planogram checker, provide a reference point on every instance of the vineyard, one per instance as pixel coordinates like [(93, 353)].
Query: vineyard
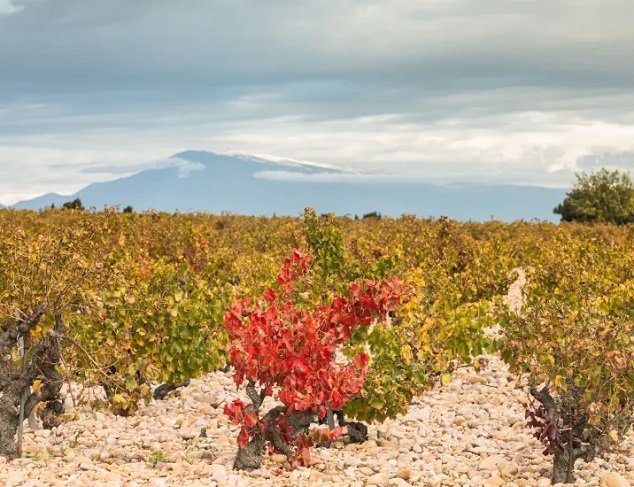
[(301, 351)]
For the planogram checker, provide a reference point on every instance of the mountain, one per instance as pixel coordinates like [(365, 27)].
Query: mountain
[(45, 200), (209, 182)]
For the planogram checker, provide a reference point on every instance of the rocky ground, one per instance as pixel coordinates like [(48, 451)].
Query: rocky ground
[(469, 433)]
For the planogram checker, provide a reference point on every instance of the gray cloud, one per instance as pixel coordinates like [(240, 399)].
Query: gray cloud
[(504, 90)]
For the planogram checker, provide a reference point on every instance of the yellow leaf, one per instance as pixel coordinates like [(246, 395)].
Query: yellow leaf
[(119, 400), (445, 379)]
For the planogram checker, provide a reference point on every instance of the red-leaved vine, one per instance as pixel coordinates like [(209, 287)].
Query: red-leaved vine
[(286, 352)]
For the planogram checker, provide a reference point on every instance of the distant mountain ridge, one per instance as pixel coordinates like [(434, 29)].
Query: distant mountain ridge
[(208, 182)]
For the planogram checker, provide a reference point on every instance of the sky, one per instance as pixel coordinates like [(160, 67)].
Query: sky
[(496, 91)]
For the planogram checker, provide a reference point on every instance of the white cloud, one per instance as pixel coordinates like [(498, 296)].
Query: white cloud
[(185, 167), (8, 7), (287, 161), (323, 177)]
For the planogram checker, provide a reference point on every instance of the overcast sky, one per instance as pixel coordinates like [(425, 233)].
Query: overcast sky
[(509, 91)]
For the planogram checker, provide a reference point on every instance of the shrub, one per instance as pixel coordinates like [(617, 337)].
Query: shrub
[(73, 205), (159, 320), (45, 281), (603, 196), (573, 342), (280, 348)]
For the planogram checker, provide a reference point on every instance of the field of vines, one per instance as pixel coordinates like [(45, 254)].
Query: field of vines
[(328, 328)]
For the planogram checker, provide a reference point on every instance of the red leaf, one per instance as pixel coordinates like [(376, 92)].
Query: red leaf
[(250, 419), (269, 295), (305, 457), (336, 401), (234, 411), (243, 438), (355, 288), (337, 432), (361, 360)]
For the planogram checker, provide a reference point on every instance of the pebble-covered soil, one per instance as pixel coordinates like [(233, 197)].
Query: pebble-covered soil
[(468, 433)]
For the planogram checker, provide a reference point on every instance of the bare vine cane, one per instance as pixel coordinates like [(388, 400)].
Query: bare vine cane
[(23, 348)]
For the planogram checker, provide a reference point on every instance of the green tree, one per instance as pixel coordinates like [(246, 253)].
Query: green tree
[(73, 205), (603, 196)]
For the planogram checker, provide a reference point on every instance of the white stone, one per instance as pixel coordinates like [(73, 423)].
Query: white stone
[(614, 480), (218, 473), (491, 463), (379, 480), (398, 482)]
